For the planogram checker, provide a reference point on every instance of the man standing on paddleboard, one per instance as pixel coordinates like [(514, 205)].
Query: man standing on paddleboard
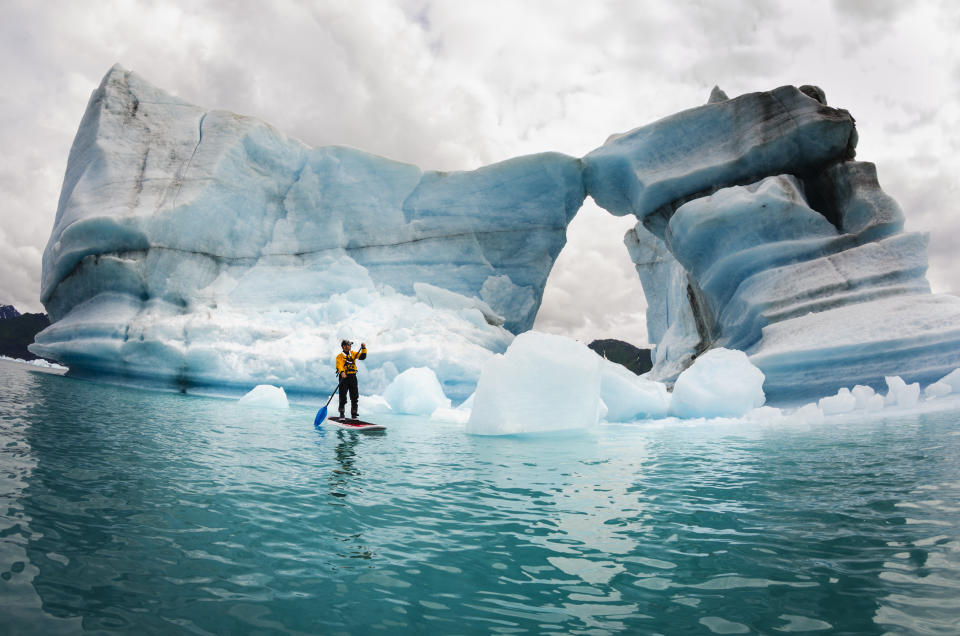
[(347, 370)]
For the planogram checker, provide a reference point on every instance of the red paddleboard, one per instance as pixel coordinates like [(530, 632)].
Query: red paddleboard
[(355, 425)]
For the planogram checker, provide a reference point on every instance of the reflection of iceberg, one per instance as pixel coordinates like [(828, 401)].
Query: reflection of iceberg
[(197, 248)]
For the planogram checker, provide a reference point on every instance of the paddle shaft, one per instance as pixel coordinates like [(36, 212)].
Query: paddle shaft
[(339, 382)]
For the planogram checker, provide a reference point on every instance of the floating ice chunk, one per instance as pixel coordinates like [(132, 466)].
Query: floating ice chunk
[(467, 404), (937, 389), (807, 413), (721, 383), (628, 396), (765, 415), (266, 396), (454, 416), (416, 391), (38, 362), (946, 385), (843, 402), (953, 379), (602, 411), (374, 404), (867, 399), (901, 394), (542, 383)]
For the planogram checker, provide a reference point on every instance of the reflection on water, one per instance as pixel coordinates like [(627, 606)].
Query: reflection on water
[(132, 511)]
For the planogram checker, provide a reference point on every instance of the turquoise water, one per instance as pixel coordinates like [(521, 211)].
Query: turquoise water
[(126, 511)]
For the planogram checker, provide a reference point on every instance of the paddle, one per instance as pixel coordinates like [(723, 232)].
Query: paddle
[(322, 413)]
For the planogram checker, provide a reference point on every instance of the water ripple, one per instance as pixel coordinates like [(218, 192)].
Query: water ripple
[(131, 511)]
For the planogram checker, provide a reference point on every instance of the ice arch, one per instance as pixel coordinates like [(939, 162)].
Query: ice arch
[(757, 231), (593, 291), (195, 247)]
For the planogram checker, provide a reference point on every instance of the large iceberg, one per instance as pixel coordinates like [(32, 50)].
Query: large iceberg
[(197, 248)]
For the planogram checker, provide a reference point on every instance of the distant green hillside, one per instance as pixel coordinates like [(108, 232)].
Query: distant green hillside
[(634, 358), (17, 332)]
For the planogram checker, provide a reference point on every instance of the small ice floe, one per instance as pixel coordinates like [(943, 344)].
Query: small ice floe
[(543, 383), (266, 396), (720, 383), (901, 394), (416, 391), (946, 385)]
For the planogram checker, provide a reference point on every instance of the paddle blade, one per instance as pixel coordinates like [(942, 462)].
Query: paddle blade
[(321, 415)]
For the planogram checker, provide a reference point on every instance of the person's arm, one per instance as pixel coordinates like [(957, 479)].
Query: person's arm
[(341, 361), (363, 352)]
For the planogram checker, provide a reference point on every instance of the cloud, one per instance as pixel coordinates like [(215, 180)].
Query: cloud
[(453, 85)]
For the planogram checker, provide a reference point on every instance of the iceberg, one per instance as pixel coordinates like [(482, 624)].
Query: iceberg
[(197, 249), (720, 383), (542, 383), (946, 385), (650, 170), (629, 397), (266, 396), (416, 391), (842, 402), (765, 236)]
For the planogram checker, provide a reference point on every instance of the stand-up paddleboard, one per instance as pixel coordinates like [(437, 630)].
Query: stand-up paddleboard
[(355, 425)]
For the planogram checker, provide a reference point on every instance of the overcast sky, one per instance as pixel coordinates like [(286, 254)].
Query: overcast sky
[(455, 85)]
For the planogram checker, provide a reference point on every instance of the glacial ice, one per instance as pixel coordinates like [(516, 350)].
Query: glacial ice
[(867, 399), (842, 402), (198, 249), (542, 383), (802, 265), (901, 394), (630, 397), (725, 143), (946, 385), (720, 383), (266, 396), (416, 391), (671, 320)]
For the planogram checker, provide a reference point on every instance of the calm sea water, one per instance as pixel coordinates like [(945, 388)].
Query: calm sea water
[(126, 511)]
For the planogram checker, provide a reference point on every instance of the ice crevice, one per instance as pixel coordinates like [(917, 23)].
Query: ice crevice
[(182, 174)]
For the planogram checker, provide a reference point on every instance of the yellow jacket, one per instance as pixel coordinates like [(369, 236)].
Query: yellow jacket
[(347, 362)]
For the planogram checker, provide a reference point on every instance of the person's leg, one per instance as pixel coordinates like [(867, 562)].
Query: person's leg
[(354, 396), (343, 395)]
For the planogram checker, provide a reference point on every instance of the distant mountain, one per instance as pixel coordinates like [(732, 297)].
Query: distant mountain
[(17, 331), (634, 358)]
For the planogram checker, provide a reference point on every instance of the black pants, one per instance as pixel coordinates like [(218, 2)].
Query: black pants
[(349, 383)]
